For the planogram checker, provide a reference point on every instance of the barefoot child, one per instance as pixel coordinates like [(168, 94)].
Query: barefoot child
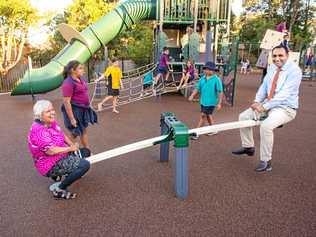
[(210, 88), (188, 75), (114, 75)]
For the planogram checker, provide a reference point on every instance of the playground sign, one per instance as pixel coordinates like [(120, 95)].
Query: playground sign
[(271, 39)]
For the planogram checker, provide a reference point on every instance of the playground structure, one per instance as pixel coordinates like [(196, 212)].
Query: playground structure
[(173, 130), (210, 21), (138, 85), (192, 29)]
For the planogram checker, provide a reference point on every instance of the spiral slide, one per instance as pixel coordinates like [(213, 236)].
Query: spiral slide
[(81, 48)]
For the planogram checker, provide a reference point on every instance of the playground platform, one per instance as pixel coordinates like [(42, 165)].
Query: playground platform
[(132, 195)]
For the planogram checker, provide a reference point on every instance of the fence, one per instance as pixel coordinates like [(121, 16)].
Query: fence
[(9, 80), (251, 51), (93, 66)]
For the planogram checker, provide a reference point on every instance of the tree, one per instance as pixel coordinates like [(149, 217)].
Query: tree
[(85, 12), (56, 41), (136, 42), (261, 15), (133, 43), (15, 18)]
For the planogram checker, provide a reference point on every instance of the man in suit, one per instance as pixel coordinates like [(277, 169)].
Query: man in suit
[(277, 98)]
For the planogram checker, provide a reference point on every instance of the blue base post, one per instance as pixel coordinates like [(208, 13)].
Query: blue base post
[(181, 173), (164, 147), (164, 130)]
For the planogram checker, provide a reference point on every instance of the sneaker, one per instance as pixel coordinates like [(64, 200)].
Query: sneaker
[(196, 137), (264, 166)]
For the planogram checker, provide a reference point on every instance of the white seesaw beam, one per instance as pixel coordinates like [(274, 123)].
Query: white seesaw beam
[(125, 149), (224, 127), (150, 142)]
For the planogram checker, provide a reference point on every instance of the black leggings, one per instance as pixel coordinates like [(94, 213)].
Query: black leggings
[(72, 167), (83, 168)]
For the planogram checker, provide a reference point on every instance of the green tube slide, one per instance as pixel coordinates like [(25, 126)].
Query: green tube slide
[(49, 77)]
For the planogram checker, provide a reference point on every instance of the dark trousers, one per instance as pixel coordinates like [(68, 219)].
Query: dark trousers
[(72, 167), (83, 168)]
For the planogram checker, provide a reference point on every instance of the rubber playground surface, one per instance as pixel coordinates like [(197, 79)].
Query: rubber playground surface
[(132, 195)]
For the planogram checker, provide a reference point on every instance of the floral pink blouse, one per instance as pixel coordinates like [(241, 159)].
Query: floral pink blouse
[(40, 139)]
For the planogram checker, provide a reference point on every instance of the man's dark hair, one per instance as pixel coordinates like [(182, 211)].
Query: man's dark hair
[(165, 48), (281, 47)]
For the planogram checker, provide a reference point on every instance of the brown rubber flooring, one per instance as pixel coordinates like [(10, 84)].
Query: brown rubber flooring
[(132, 195)]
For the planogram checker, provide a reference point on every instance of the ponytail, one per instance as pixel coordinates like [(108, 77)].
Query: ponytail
[(72, 65)]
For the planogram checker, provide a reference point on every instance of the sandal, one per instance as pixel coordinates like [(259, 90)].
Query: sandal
[(63, 194), (54, 186)]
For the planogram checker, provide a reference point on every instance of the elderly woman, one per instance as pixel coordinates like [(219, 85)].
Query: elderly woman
[(76, 107), (54, 154)]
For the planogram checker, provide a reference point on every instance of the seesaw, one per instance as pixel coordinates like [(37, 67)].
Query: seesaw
[(172, 130)]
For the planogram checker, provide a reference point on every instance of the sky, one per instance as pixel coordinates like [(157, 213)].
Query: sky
[(237, 7), (50, 5), (38, 35)]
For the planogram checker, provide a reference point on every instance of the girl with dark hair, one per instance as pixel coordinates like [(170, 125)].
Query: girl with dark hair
[(188, 74), (76, 104)]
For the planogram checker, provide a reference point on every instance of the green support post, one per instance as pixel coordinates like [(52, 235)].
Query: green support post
[(178, 132)]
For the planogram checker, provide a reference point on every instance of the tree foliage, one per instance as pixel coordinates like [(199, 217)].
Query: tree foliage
[(261, 15), (15, 18), (85, 12), (17, 14), (135, 43)]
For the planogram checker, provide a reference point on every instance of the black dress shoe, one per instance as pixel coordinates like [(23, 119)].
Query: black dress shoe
[(250, 151)]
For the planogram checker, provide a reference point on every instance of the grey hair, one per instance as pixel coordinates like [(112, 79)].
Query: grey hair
[(39, 107)]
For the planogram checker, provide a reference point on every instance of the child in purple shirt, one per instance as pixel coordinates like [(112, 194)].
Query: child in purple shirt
[(188, 75), (163, 67), (76, 107)]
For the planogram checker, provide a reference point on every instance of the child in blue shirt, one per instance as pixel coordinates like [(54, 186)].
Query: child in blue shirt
[(210, 88)]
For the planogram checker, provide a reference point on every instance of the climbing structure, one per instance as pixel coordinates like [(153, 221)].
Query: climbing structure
[(192, 29), (138, 85), (183, 26)]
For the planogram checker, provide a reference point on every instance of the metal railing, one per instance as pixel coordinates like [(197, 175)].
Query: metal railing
[(11, 78), (183, 10)]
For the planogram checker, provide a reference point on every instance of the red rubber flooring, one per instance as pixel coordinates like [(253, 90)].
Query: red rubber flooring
[(132, 195)]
